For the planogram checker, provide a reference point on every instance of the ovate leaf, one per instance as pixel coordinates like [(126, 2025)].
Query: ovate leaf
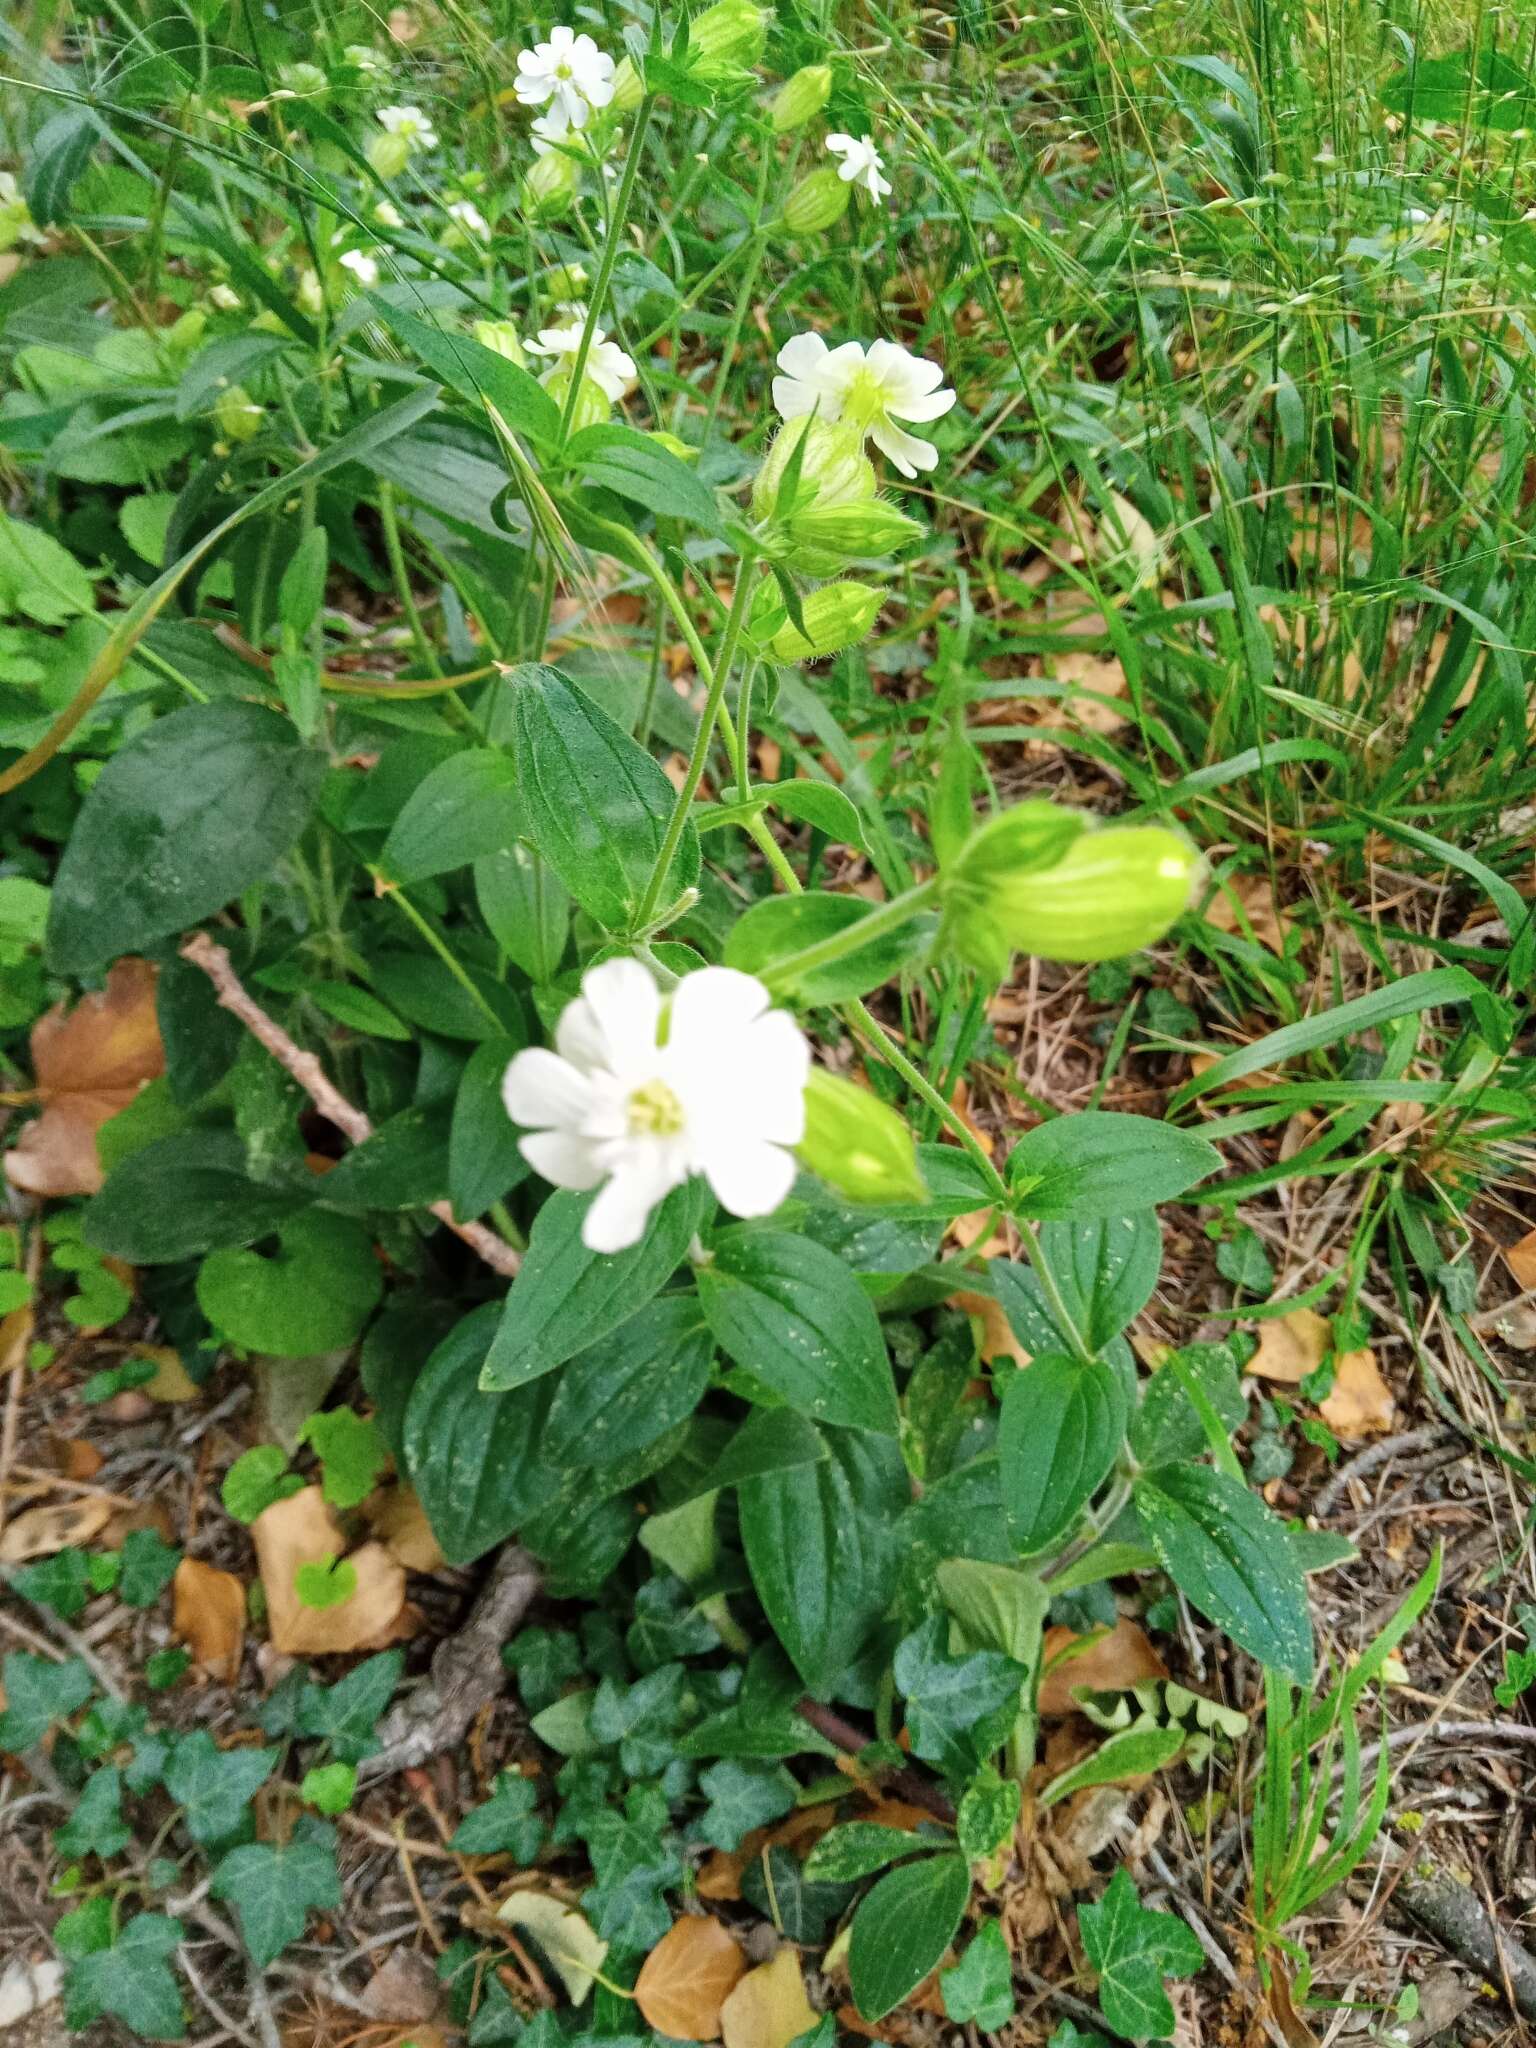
[(903, 1928), (1063, 1425)]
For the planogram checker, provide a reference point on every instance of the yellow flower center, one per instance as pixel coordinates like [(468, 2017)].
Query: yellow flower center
[(864, 400), (563, 71), (655, 1112)]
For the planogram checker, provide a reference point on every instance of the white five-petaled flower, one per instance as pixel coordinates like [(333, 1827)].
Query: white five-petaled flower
[(861, 163), (638, 1097), (411, 123), (570, 72), (609, 368), (547, 130), (469, 217), (867, 388), (362, 267)]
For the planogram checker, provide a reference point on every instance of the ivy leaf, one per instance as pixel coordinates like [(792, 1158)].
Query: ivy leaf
[(131, 1980), (351, 1451), (329, 1788), (149, 1565), (325, 1582), (635, 1864), (96, 1827), (507, 1824), (62, 1582), (273, 1885), (781, 1892), (980, 1986), (38, 1692), (258, 1478), (213, 1785), (1134, 1949), (958, 1708), (542, 1660), (743, 1796), (346, 1715)]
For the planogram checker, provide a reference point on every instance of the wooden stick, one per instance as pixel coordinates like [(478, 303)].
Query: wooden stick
[(353, 1123)]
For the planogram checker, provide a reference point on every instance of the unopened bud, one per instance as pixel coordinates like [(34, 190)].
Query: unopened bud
[(857, 1143), (501, 337), (801, 98), (628, 88), (833, 469), (674, 444), (838, 615), (223, 298), (305, 79), (236, 414), (726, 38), (550, 186), (828, 537), (818, 202), (389, 154)]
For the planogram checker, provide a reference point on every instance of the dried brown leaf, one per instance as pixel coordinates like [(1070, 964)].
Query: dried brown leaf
[(1520, 1258), (1291, 1346), (302, 1530), (208, 1614), (89, 1063), (399, 1521), (687, 1978), (768, 2008), (44, 1531), (1112, 1661)]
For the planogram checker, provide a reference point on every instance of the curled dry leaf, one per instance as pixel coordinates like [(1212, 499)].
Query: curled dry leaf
[(1097, 675), (768, 2008), (574, 1950), (172, 1381), (208, 1614), (89, 1063), (398, 1519), (1112, 1661), (1521, 1261), (43, 1531), (687, 1978), (994, 1333), (1291, 1346), (302, 1530), (1246, 903)]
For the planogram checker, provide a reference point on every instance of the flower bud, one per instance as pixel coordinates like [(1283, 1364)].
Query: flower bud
[(1112, 892), (224, 298), (389, 154), (726, 38), (817, 202), (674, 444), (628, 88), (501, 338), (834, 469), (801, 98), (828, 537), (858, 1144), (838, 615), (550, 186), (309, 298), (236, 414), (307, 80), (593, 405)]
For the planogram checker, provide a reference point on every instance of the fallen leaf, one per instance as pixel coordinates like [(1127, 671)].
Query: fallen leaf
[(1246, 904), (1112, 1661), (208, 1614), (16, 1332), (72, 1457), (1094, 673), (302, 1530), (768, 2008), (404, 1989), (994, 1338), (43, 1531), (1291, 1346), (89, 1063), (687, 1978), (25, 1988), (399, 1520), (574, 1950), (1521, 1261), (172, 1381)]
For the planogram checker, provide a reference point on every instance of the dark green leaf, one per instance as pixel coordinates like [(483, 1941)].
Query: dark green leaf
[(484, 1160), (183, 1195), (526, 908), (1096, 1162), (131, 1980), (38, 1692), (149, 1565), (403, 1165), (214, 1786), (347, 1714), (272, 1887), (633, 1386), (1105, 1269), (979, 1989), (1133, 1949), (858, 1849), (61, 1582), (784, 1893), (96, 1827), (463, 811), (313, 1294), (506, 1825), (1063, 1426), (903, 1928), (639, 468), (477, 372), (743, 1796), (772, 931), (958, 1708), (1167, 1426), (55, 161)]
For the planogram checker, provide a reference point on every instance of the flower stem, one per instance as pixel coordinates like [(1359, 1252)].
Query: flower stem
[(606, 261)]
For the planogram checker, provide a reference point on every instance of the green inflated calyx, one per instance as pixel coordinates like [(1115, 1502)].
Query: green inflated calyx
[(858, 1144), (818, 202), (838, 615), (800, 98), (817, 501)]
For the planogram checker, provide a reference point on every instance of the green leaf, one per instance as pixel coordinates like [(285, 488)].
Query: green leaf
[(357, 1009), (639, 468), (1105, 1269), (959, 1709), (1133, 1950), (62, 1582), (257, 1478), (858, 1849), (56, 160), (38, 1692), (819, 804), (325, 1582), (180, 1196), (1167, 1425), (770, 1440), (347, 1714), (1096, 1162), (192, 811), (902, 1929), (431, 994), (149, 1565), (820, 1548), (131, 1981), (603, 847), (1225, 1551), (507, 1824), (567, 1297), (633, 1386), (351, 1451), (988, 1814), (791, 1315), (96, 1827), (213, 1786), (526, 909), (402, 1165), (778, 927), (477, 372), (743, 1796), (464, 810), (1063, 1425), (484, 1160), (38, 578), (329, 1788), (313, 1294), (301, 591), (979, 1989), (272, 1887), (1132, 1753), (783, 1893), (476, 1459)]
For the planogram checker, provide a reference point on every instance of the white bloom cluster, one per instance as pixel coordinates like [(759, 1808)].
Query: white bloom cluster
[(639, 1096), (411, 124), (860, 163), (867, 388), (609, 368), (570, 75)]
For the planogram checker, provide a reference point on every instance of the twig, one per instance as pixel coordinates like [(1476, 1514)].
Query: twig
[(1457, 1918), (908, 1785), (1373, 1457), (353, 1123)]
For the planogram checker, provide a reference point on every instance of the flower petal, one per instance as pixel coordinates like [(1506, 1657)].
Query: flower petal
[(543, 1091), (908, 453), (777, 1055), (566, 1161), (618, 1217), (612, 1023), (802, 355), (750, 1178), (711, 1009)]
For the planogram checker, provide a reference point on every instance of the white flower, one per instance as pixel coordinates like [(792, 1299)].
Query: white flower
[(609, 368), (224, 298), (362, 267), (570, 72), (469, 217), (547, 130), (861, 162), (387, 214), (411, 123), (635, 1099), (868, 388)]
